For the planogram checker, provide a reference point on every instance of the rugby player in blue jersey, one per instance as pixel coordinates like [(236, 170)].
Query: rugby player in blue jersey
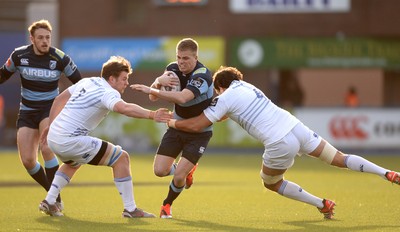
[(40, 67), (195, 95), (282, 134)]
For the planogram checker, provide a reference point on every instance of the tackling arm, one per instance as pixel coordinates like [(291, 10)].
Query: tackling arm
[(195, 124), (136, 111)]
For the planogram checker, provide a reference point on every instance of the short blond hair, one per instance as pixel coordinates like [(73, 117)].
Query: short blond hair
[(187, 44), (44, 24)]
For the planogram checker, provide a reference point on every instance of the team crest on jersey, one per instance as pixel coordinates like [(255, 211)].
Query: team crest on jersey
[(53, 64), (24, 61), (214, 102)]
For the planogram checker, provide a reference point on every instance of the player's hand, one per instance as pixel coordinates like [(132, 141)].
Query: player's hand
[(142, 88), (162, 115), (171, 123), (168, 78)]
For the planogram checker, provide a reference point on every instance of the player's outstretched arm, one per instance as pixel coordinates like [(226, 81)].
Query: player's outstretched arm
[(195, 124), (136, 111), (162, 115)]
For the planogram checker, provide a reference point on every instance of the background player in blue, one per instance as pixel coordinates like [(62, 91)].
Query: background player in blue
[(40, 66), (197, 92), (282, 134)]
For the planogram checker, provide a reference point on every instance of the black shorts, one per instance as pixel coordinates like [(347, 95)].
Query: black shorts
[(192, 145), (32, 118)]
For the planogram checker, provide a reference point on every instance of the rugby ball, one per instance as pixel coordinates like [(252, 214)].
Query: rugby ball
[(175, 88)]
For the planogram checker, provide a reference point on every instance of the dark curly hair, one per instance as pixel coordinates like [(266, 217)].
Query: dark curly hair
[(225, 75)]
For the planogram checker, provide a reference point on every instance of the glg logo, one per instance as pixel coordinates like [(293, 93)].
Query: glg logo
[(348, 127)]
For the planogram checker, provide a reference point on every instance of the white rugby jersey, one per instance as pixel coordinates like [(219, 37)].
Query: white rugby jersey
[(90, 102), (253, 111)]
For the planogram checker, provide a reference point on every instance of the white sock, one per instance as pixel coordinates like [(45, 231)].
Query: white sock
[(173, 168), (60, 181), (357, 163), (125, 188), (294, 191)]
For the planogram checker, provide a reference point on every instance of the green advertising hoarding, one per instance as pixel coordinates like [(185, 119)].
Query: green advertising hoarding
[(314, 53)]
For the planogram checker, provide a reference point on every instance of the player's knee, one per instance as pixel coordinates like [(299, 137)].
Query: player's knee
[(115, 155), (125, 157), (180, 177), (328, 153), (160, 171), (271, 182), (28, 162)]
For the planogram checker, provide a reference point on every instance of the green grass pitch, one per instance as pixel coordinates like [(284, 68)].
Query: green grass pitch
[(227, 195)]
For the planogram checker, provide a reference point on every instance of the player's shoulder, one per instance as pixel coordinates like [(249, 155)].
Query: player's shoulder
[(57, 52), (201, 69), (22, 51), (23, 48), (20, 54), (98, 82), (173, 66)]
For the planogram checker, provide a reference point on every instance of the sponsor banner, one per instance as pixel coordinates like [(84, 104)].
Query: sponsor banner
[(148, 53), (285, 6), (315, 53), (368, 128)]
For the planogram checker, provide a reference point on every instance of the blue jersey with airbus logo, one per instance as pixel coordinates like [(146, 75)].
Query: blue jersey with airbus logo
[(199, 81), (39, 74)]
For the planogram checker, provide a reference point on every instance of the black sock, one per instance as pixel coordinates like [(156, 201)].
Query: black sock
[(172, 195), (41, 178)]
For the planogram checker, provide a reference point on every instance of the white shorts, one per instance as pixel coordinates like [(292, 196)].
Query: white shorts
[(300, 140), (80, 149)]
